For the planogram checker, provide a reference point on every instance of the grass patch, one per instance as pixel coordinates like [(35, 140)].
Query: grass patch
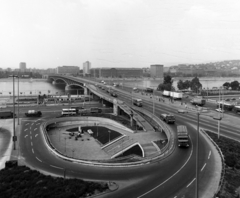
[(20, 181), (231, 151)]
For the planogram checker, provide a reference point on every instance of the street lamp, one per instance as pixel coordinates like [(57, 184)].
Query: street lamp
[(109, 135), (197, 145), (14, 132)]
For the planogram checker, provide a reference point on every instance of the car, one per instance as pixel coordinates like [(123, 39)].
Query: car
[(228, 99), (220, 110), (182, 111), (233, 99)]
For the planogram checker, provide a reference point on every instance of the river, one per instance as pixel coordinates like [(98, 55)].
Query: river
[(28, 87)]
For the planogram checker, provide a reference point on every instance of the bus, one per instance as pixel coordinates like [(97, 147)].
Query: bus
[(225, 106), (182, 135), (6, 114), (236, 109), (137, 102), (69, 112)]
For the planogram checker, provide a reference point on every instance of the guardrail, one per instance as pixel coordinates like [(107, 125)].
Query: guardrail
[(223, 164), (88, 162), (169, 147)]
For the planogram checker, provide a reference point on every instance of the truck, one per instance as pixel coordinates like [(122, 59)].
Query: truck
[(198, 101), (166, 93), (6, 114), (137, 102), (33, 113), (177, 95), (95, 110), (168, 118), (182, 136)]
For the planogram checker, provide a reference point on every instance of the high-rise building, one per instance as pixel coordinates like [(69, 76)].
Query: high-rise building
[(156, 71), (72, 70), (86, 68), (22, 67)]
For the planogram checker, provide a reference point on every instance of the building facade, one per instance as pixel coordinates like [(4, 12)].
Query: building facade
[(156, 71), (117, 72), (86, 68), (23, 67), (74, 70)]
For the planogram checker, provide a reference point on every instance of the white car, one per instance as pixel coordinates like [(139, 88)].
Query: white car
[(220, 110)]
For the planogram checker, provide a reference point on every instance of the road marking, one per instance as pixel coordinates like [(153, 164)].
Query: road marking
[(25, 136), (32, 150), (191, 182), (36, 135), (27, 124), (169, 177), (56, 167), (209, 155), (39, 159), (203, 166), (35, 129), (31, 143), (31, 137), (25, 129)]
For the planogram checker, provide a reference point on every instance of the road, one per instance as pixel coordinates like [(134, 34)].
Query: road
[(168, 178)]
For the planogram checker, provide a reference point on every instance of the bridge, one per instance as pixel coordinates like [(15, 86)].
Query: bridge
[(119, 107)]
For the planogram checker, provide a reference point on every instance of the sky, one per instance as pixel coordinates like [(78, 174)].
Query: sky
[(117, 33)]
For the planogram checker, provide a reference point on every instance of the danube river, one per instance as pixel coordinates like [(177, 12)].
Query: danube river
[(42, 86)]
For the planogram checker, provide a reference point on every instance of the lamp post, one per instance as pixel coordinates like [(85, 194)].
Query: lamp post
[(109, 135), (197, 145), (153, 103), (18, 98), (14, 132)]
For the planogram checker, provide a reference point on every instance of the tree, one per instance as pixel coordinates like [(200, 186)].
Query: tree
[(167, 84), (168, 80), (227, 85), (183, 84), (196, 85), (234, 85), (180, 85)]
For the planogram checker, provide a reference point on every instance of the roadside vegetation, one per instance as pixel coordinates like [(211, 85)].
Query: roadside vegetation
[(20, 181), (231, 151)]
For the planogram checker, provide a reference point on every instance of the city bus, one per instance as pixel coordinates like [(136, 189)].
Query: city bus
[(137, 102), (236, 109), (225, 106), (69, 112)]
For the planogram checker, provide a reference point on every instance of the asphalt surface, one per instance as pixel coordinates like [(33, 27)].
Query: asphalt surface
[(167, 178)]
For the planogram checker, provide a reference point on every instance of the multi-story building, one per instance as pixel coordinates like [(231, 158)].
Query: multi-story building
[(86, 68), (72, 70), (117, 72), (156, 71), (22, 67)]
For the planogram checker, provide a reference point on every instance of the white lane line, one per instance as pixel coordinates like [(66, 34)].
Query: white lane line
[(32, 150), (39, 159), (56, 167), (31, 143), (35, 129), (191, 182), (36, 135), (25, 129), (175, 197), (31, 137), (27, 124), (209, 154), (25, 136), (169, 177), (203, 166)]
